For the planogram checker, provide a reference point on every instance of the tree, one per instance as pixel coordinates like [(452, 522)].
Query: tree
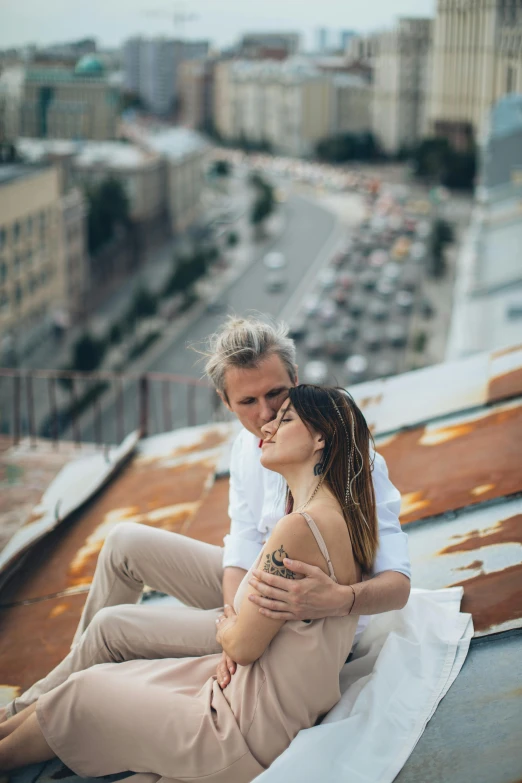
[(435, 160), (442, 235), (347, 146), (108, 207), (88, 353)]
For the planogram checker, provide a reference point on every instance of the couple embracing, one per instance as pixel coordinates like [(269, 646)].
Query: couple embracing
[(203, 692)]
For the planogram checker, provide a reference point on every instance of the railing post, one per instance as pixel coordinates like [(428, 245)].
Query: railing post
[(30, 408), (16, 408), (144, 405)]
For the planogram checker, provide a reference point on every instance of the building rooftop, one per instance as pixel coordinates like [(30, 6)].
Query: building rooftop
[(88, 154), (10, 172), (173, 143), (451, 437)]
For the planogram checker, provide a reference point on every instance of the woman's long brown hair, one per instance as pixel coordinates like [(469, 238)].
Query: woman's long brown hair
[(332, 412)]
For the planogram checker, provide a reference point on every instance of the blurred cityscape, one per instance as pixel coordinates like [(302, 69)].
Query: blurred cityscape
[(367, 190)]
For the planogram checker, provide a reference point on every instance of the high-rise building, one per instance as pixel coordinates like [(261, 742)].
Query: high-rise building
[(477, 58), (401, 83), (322, 40), (487, 307), (345, 38), (151, 69)]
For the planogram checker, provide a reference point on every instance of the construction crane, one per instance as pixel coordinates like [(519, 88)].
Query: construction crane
[(179, 17)]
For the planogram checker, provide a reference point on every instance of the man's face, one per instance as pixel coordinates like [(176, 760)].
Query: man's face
[(255, 395)]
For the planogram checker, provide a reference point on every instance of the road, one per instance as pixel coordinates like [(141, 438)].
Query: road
[(311, 233)]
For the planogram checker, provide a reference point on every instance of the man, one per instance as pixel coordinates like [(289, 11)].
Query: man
[(251, 365)]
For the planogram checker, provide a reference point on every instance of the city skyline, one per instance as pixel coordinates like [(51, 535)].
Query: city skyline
[(23, 23)]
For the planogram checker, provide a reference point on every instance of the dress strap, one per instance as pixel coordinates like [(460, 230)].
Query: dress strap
[(320, 542)]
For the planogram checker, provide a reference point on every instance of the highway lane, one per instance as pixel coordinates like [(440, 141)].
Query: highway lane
[(311, 234)]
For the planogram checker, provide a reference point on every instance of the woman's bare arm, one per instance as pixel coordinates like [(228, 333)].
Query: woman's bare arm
[(245, 637)]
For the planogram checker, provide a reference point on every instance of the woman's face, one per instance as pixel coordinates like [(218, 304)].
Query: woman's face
[(288, 441)]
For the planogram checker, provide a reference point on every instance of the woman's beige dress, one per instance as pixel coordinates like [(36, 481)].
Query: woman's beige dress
[(170, 717)]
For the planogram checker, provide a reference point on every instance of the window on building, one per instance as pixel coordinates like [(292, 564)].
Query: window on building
[(43, 224), (18, 294), (3, 272), (30, 226), (17, 231), (3, 237)]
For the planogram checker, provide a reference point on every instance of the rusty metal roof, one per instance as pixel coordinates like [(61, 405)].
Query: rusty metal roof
[(434, 392)]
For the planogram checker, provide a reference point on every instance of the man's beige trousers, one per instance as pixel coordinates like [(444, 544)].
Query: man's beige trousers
[(112, 629)]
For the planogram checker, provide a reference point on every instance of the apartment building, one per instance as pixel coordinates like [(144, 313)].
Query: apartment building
[(477, 58), (33, 274), (287, 105), (352, 103), (401, 59)]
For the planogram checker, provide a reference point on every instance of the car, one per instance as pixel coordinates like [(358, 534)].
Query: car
[(311, 305), (383, 368), (385, 288), (396, 335), (274, 260), (326, 278), (404, 301), (336, 344), (378, 311), (348, 327), (314, 344), (426, 308), (346, 280), (355, 368), (327, 313), (340, 297), (298, 328), (372, 338), (368, 280), (357, 306), (275, 282), (315, 372)]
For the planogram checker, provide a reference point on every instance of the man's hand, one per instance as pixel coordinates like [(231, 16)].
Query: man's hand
[(225, 669), (318, 596), (311, 598)]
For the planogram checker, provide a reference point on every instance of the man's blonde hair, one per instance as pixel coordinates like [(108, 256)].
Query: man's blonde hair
[(245, 343)]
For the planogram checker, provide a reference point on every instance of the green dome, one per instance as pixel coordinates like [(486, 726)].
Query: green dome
[(89, 65)]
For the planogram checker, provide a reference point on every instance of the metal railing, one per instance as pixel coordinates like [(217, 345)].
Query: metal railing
[(100, 407)]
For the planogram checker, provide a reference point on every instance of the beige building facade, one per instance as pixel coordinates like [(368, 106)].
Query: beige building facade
[(352, 101), (477, 58), (287, 105), (32, 259), (401, 62)]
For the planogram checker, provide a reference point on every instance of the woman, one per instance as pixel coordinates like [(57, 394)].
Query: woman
[(170, 717)]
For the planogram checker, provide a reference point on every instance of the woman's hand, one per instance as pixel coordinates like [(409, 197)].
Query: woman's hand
[(225, 669), (227, 620)]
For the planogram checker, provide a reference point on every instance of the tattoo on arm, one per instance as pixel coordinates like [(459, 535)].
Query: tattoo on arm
[(274, 564)]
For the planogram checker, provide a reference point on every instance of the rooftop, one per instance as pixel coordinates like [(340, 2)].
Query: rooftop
[(11, 172), (87, 154), (451, 437)]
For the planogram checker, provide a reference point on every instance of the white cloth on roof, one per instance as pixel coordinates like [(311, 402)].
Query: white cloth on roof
[(257, 503), (403, 665)]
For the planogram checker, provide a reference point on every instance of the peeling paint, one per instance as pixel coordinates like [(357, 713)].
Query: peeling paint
[(506, 531)]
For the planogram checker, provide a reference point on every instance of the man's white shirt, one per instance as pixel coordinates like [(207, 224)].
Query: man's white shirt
[(257, 503)]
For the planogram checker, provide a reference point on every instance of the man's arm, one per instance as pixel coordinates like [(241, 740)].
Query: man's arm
[(232, 578), (319, 596)]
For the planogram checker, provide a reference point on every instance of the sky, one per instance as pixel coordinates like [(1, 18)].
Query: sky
[(221, 21)]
